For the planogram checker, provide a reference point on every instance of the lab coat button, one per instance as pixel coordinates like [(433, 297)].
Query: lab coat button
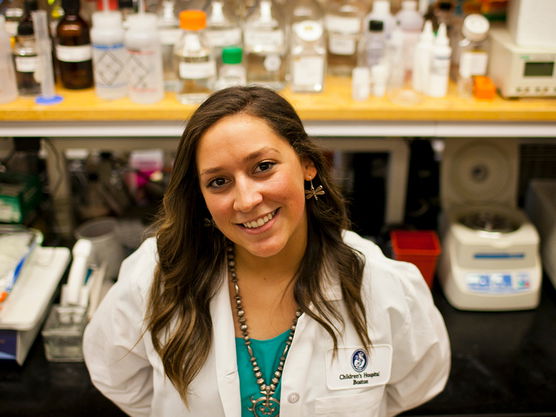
[(293, 397)]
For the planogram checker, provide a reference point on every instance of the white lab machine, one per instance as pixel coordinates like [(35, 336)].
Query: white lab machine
[(521, 71), (540, 205), (490, 250), (531, 22)]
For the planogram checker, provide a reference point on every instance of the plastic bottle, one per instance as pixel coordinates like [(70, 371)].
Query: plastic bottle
[(195, 63), (422, 59), (411, 23), (73, 48), (144, 66), (440, 64), (109, 55), (395, 59), (473, 49), (266, 44), (26, 60), (381, 12), (344, 25), (373, 45), (223, 28), (360, 83), (308, 47), (8, 87), (169, 31), (232, 71)]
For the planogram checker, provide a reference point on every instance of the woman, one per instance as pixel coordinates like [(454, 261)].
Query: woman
[(253, 299)]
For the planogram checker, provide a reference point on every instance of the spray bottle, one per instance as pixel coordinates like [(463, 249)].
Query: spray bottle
[(440, 64)]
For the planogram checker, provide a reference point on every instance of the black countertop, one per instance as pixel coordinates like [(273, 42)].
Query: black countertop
[(503, 364)]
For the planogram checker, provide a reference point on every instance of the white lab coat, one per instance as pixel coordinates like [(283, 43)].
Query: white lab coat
[(408, 364)]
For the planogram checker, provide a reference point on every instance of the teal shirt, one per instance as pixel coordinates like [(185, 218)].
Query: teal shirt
[(268, 354)]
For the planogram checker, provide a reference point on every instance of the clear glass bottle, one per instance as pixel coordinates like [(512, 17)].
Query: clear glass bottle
[(109, 55), (266, 45), (344, 21), (308, 47), (169, 30), (223, 28), (144, 65), (232, 71), (473, 52), (13, 12), (73, 48), (8, 88), (195, 63), (26, 60)]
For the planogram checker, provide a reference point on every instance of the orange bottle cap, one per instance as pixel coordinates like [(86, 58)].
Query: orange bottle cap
[(483, 87), (193, 19)]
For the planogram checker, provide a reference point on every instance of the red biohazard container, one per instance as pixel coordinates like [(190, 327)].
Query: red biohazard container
[(420, 247)]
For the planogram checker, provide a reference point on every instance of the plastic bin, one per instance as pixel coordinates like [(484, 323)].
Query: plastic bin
[(420, 247)]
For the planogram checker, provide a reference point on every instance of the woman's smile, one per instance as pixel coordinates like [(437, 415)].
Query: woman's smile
[(257, 224)]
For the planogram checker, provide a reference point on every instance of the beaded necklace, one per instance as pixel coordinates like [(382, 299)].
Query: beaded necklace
[(266, 405)]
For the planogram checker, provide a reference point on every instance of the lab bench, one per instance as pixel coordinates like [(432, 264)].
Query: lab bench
[(503, 364)]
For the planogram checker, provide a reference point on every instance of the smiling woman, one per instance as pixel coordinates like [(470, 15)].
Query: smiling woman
[(253, 298)]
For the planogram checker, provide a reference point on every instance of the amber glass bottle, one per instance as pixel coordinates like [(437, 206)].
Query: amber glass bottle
[(73, 48)]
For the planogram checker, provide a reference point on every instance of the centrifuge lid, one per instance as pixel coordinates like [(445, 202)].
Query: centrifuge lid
[(479, 171)]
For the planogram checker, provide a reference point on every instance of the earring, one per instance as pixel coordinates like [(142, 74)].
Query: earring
[(312, 192)]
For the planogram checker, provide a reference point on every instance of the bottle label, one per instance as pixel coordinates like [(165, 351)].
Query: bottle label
[(109, 65), (341, 44), (263, 40), (219, 38), (440, 65), (169, 36), (11, 27), (308, 70), (73, 53), (144, 73), (26, 63), (473, 63), (343, 24), (196, 70)]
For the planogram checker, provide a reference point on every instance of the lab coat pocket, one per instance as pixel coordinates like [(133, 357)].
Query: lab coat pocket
[(362, 404)]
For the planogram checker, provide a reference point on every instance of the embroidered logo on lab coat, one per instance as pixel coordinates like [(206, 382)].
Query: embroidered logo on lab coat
[(359, 360), (355, 368)]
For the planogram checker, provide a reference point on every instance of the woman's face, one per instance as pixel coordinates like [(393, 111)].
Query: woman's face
[(252, 181)]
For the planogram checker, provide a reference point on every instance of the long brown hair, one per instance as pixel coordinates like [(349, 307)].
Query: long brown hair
[(192, 256)]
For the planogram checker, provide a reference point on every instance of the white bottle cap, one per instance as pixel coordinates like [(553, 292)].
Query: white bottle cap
[(475, 27), (108, 19), (442, 36), (409, 5), (142, 21), (381, 7)]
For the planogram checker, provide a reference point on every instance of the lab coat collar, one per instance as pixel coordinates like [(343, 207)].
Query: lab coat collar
[(224, 349)]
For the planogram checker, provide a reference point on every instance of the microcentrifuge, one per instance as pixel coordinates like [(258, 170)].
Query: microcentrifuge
[(490, 250)]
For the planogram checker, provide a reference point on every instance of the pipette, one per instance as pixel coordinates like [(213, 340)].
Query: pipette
[(44, 48)]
